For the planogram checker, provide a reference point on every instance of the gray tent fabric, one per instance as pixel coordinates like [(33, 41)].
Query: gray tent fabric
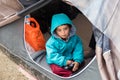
[(104, 15), (38, 56)]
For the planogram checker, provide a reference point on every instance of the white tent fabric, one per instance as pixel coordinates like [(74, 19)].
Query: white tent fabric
[(103, 14)]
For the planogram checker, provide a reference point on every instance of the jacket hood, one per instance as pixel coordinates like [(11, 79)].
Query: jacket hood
[(60, 19)]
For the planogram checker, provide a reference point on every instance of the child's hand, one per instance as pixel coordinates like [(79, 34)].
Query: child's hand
[(69, 62), (76, 66)]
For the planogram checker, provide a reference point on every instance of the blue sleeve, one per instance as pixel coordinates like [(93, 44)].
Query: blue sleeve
[(78, 53), (53, 56)]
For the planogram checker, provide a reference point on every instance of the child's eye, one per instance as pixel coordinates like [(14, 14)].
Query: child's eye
[(59, 30), (66, 28)]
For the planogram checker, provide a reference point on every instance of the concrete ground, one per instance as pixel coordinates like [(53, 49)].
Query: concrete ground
[(12, 68), (8, 68)]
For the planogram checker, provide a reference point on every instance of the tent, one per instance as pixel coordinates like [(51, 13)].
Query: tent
[(102, 14)]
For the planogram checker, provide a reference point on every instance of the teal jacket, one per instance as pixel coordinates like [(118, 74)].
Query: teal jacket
[(58, 50)]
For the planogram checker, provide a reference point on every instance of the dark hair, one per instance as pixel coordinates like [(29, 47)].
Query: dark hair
[(69, 25)]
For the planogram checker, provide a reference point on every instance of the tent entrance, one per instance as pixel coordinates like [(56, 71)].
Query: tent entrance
[(43, 17)]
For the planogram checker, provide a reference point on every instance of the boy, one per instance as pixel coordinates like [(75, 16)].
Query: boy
[(64, 47)]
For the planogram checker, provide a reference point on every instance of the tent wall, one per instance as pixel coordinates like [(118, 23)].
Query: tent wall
[(103, 14), (11, 10), (8, 11)]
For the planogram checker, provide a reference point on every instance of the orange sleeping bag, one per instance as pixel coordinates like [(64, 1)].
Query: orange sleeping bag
[(33, 34)]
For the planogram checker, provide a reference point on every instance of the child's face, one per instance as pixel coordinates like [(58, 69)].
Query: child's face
[(63, 31)]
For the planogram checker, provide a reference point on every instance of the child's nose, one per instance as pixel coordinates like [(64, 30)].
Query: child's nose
[(63, 32)]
